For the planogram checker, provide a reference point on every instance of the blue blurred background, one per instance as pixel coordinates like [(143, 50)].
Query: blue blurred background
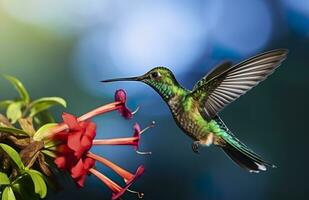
[(64, 48)]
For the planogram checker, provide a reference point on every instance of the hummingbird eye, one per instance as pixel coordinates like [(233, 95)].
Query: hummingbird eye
[(155, 74)]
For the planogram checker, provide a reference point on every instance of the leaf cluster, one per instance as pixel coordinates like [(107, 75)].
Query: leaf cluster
[(25, 163)]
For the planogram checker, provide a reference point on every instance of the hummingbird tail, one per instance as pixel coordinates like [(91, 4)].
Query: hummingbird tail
[(240, 153), (246, 158)]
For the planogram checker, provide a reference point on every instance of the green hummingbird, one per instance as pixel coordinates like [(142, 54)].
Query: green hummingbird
[(196, 111)]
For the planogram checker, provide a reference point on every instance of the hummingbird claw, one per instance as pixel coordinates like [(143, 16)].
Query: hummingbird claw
[(195, 146)]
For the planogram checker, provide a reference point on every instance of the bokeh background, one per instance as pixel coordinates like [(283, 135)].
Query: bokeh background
[(64, 48)]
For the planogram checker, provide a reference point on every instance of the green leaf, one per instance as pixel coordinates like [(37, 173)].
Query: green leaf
[(19, 87), (13, 131), (5, 103), (4, 179), (8, 194), (49, 153), (43, 118), (23, 188), (38, 181), (45, 103), (43, 131), (27, 125), (14, 111), (13, 155)]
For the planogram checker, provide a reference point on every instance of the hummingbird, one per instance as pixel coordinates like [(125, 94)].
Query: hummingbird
[(196, 111)]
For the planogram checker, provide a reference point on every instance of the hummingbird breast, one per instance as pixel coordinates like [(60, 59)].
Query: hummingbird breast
[(185, 112)]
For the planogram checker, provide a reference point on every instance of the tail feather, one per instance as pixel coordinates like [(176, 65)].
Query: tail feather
[(245, 160), (240, 153)]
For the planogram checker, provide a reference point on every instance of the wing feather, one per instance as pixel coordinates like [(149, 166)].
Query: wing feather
[(226, 83), (216, 70)]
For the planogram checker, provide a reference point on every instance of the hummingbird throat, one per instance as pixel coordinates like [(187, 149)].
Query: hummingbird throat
[(167, 91)]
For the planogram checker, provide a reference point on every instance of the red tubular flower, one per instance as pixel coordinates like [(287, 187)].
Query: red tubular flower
[(128, 177), (134, 140), (75, 137), (119, 104), (117, 190)]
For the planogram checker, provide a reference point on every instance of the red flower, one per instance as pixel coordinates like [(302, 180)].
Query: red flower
[(134, 140), (128, 177), (119, 104), (81, 135), (75, 137), (78, 141)]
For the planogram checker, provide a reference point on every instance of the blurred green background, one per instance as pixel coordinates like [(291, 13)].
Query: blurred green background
[(64, 48)]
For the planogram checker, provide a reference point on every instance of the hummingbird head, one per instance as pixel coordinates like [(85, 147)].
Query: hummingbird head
[(159, 78)]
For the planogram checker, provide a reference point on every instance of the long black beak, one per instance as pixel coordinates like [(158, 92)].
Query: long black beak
[(136, 78)]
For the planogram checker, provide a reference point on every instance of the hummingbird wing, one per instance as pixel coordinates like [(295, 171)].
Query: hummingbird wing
[(222, 67), (226, 83)]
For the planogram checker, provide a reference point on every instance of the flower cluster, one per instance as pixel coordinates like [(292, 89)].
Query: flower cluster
[(75, 136), (28, 135), (76, 142)]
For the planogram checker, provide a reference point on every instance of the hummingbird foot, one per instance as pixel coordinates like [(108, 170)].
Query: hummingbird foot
[(195, 146), (204, 142)]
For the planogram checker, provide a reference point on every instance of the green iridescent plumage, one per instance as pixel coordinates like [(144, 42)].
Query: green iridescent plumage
[(196, 111)]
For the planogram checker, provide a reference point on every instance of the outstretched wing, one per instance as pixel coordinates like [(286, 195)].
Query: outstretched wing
[(223, 86)]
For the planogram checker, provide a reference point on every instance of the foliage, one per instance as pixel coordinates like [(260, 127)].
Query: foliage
[(24, 172)]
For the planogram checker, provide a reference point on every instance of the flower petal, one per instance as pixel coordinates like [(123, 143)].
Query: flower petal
[(120, 95), (140, 170), (90, 130), (125, 112), (86, 143), (137, 130), (64, 149), (88, 163), (78, 169), (80, 181), (71, 121), (63, 136), (60, 162), (74, 140)]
